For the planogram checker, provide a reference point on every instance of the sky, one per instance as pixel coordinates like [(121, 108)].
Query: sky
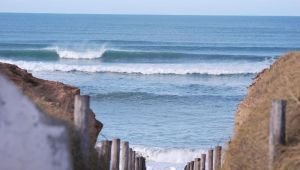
[(162, 7)]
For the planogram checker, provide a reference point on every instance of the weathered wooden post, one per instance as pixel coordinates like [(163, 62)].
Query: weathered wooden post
[(140, 163), (218, 154), (143, 163), (105, 154), (197, 164), (276, 128), (133, 160), (81, 121), (137, 163), (203, 159), (210, 162), (129, 159), (124, 155), (115, 154), (186, 167), (192, 165)]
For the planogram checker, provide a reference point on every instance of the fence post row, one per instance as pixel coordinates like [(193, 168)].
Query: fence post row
[(109, 153), (116, 155), (214, 163), (276, 128)]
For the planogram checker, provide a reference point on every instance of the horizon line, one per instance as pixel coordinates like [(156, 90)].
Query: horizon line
[(148, 14)]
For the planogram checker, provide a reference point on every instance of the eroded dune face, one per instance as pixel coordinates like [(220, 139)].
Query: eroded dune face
[(249, 146), (29, 139), (54, 98)]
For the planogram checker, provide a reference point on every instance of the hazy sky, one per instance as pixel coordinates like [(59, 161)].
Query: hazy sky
[(187, 7)]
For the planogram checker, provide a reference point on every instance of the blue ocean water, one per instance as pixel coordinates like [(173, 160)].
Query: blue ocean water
[(168, 84)]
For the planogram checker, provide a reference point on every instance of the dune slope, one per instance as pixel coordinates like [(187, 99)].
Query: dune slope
[(248, 148)]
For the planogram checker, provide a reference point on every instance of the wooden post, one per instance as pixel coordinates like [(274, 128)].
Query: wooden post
[(137, 162), (81, 121), (105, 154), (115, 154), (143, 163), (276, 128), (192, 165), (140, 163), (133, 160), (203, 159), (197, 164), (218, 154), (129, 159), (124, 156), (210, 159)]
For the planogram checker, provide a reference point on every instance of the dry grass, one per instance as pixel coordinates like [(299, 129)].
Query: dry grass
[(248, 148)]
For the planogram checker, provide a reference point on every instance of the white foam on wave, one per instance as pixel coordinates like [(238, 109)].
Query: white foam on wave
[(79, 53), (174, 155), (147, 69)]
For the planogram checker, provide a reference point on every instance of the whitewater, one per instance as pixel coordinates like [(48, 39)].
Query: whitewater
[(82, 52), (142, 64), (169, 85), (180, 69)]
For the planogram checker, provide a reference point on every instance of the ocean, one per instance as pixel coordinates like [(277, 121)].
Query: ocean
[(169, 85)]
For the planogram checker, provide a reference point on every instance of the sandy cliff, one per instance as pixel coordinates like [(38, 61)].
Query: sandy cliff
[(248, 148), (54, 98)]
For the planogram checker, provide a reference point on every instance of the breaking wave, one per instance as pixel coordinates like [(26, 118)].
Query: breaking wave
[(180, 69), (89, 53)]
